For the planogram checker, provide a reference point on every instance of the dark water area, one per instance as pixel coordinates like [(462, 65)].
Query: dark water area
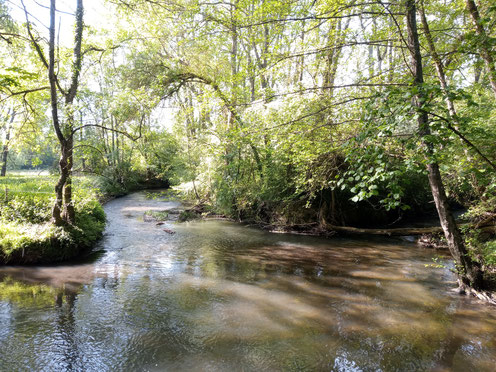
[(219, 296)]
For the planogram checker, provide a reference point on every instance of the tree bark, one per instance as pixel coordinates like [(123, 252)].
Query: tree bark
[(63, 210), (469, 271), (484, 46), (68, 213), (444, 87), (5, 150), (57, 208)]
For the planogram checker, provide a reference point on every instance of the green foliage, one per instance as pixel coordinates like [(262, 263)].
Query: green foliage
[(31, 243), (27, 199), (27, 236), (483, 211), (437, 263), (489, 253), (187, 216), (158, 215), (121, 179)]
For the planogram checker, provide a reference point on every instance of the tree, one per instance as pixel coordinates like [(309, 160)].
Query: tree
[(468, 270), (483, 43), (5, 151), (63, 209), (440, 71), (309, 104)]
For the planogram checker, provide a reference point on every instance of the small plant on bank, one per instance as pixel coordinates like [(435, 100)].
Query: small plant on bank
[(157, 215), (437, 263)]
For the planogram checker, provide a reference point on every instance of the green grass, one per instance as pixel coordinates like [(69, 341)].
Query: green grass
[(26, 234)]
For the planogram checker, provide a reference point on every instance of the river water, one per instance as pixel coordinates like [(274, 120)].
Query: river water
[(219, 296)]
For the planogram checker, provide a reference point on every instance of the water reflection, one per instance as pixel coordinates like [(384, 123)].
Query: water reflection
[(219, 296)]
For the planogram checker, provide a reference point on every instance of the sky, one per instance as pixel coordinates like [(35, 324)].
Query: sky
[(96, 14)]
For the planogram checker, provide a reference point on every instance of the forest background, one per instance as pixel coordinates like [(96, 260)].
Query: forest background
[(322, 113)]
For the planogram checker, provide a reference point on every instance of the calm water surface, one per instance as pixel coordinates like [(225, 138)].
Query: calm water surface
[(217, 296)]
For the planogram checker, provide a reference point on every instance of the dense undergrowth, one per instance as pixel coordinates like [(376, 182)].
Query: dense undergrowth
[(26, 234), (365, 193)]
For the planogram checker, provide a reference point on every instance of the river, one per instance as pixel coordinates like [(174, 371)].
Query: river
[(219, 296)]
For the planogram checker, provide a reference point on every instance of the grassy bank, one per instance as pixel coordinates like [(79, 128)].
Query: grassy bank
[(26, 234)]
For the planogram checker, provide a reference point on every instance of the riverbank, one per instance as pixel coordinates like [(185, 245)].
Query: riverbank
[(225, 296), (421, 234), (26, 234), (480, 236)]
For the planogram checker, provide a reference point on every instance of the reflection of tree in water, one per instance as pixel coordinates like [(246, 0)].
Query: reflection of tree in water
[(68, 347), (372, 299), (265, 303), (27, 295), (30, 301)]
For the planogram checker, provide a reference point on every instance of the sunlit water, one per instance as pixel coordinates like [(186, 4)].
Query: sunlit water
[(218, 296)]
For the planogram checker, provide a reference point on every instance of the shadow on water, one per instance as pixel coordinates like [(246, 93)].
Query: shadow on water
[(217, 296)]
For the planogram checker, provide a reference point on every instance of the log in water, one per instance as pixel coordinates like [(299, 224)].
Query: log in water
[(218, 296)]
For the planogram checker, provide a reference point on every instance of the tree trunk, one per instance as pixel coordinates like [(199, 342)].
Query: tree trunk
[(469, 271), (5, 150), (57, 208), (335, 37), (444, 87), (401, 231), (68, 213), (484, 46), (59, 187), (63, 210), (5, 154)]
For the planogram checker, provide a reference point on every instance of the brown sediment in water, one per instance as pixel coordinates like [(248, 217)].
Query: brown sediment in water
[(221, 296)]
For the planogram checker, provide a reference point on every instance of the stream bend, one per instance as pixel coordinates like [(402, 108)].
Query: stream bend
[(219, 296)]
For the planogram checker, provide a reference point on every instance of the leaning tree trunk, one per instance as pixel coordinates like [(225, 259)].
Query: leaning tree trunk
[(444, 86), (469, 271), (484, 43)]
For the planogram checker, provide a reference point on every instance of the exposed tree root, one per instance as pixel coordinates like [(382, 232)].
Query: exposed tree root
[(482, 295)]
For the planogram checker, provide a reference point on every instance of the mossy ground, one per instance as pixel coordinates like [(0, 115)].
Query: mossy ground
[(26, 234)]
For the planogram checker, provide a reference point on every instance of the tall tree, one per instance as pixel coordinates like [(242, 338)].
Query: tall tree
[(440, 72), (63, 209), (469, 271), (484, 43)]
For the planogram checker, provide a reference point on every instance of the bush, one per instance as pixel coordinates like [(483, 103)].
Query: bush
[(489, 253)]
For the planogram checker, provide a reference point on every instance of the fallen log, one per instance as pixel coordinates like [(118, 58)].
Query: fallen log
[(402, 231)]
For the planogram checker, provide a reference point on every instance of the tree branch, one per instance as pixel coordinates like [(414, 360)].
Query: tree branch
[(107, 128)]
